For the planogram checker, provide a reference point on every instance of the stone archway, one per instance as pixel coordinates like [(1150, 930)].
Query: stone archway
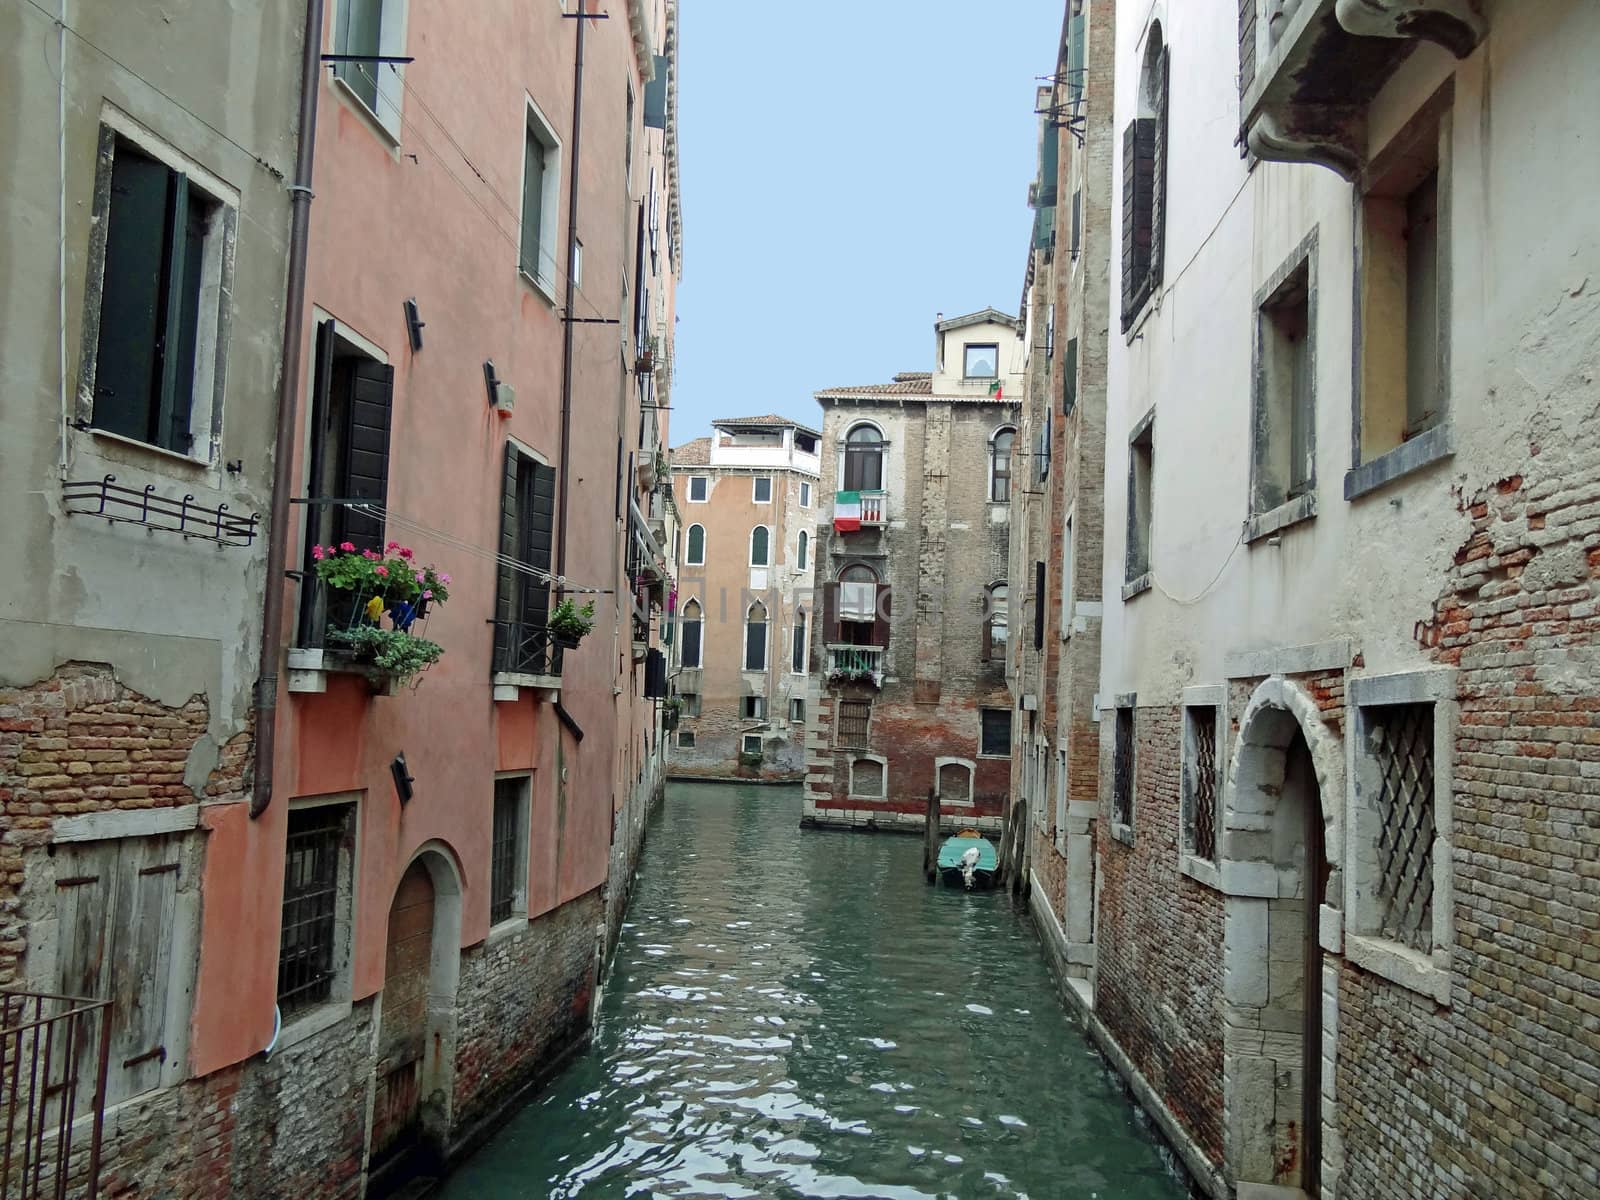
[(415, 1065), (1282, 849)]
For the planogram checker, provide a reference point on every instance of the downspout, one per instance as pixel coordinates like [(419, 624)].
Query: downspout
[(571, 294), (266, 700), (61, 246)]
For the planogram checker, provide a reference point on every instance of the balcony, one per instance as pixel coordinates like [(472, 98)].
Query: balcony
[(859, 664), (1310, 69), (860, 510), (324, 643), (525, 656)]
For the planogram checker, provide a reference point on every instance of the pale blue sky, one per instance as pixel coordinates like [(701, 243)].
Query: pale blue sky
[(848, 171)]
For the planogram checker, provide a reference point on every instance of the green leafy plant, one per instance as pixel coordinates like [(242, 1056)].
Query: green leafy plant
[(393, 651), (394, 576), (749, 758), (569, 621), (852, 675)]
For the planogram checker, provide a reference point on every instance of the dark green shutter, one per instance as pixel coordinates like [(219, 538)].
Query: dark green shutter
[(505, 579), (366, 465), (655, 97), (1069, 377), (1158, 176), (1038, 606), (127, 366), (1138, 181), (540, 523)]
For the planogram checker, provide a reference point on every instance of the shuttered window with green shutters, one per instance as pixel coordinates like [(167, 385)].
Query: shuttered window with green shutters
[(522, 597)]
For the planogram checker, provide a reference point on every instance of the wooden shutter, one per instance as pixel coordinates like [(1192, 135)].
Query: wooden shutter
[(830, 613), (880, 617), (366, 464), (1158, 176), (1038, 606), (505, 580), (1069, 377), (655, 96), (1138, 174), (127, 360), (540, 522)]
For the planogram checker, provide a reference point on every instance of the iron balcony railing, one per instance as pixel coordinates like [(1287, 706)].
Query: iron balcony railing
[(53, 1052), (856, 662), (526, 648)]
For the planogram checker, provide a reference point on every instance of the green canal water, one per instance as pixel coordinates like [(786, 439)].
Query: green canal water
[(795, 1013)]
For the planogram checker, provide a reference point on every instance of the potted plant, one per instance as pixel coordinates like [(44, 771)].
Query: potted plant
[(670, 712), (364, 588), (570, 624)]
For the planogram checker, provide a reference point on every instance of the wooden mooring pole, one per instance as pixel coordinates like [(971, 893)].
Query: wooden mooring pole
[(930, 838)]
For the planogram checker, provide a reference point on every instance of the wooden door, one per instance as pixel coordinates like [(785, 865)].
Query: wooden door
[(403, 1032)]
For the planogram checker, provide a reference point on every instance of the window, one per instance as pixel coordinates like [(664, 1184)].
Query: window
[(1283, 463), (858, 601), (317, 888), (508, 863), (755, 638), (1201, 788), (750, 744), (522, 598), (1069, 377), (699, 486), (994, 739), (763, 489), (995, 624), (1400, 753), (1038, 605), (1122, 768), (693, 627), (691, 703), (805, 493), (1144, 183), (1141, 472), (577, 263), (541, 199), (162, 286), (1077, 223), (1404, 302), (117, 916), (1068, 578), (805, 443), (1000, 465), (797, 662), (696, 555), (863, 459), (373, 28), (868, 778), (627, 143), (980, 361), (753, 708), (686, 739), (801, 548), (954, 781), (797, 711), (760, 547), (854, 718), (1061, 799)]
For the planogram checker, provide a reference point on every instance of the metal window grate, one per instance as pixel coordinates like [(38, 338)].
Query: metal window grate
[(503, 852), (1401, 740), (853, 718), (1200, 817), (317, 837), (1122, 769)]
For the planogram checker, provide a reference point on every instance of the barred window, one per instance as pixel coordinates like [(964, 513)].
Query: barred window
[(316, 898), (854, 717), (1200, 782), (1400, 740), (1122, 768), (506, 850)]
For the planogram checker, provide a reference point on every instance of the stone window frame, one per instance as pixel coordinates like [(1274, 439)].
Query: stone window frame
[(943, 761), (688, 490), (744, 744), (389, 78), (518, 919), (1011, 734), (340, 1002), (211, 351), (755, 488), (766, 639), (1428, 974), (1135, 583), (1068, 573), (883, 764), (1063, 804), (750, 549), (1262, 522), (548, 234), (1010, 474), (1122, 831), (880, 447), (1433, 119), (1213, 696), (688, 541), (805, 493), (686, 739), (838, 718), (797, 710)]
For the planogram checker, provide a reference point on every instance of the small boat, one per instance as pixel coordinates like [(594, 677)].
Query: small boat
[(968, 860)]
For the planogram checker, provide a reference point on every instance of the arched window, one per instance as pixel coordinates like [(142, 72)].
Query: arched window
[(863, 459), (760, 547), (755, 637), (696, 556), (996, 622), (1000, 464), (693, 627), (858, 603), (797, 662), (802, 546), (1144, 181)]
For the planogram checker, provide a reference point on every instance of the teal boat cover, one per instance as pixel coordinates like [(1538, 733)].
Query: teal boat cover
[(952, 850)]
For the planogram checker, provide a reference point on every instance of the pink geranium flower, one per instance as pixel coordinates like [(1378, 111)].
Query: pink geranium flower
[(427, 594), (318, 553), (382, 571), (444, 579), (421, 577), (392, 546), (406, 552), (347, 546)]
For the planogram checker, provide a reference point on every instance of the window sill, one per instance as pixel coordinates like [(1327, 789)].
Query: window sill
[(1135, 586), (1424, 450), (160, 452), (1199, 870), (509, 686), (547, 289), (1122, 833), (1411, 969), (514, 924), (365, 112), (996, 757), (1292, 512), (308, 670), (308, 1025)]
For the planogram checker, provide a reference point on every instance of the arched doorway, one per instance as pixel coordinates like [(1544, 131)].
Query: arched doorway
[(1281, 851), (416, 1025)]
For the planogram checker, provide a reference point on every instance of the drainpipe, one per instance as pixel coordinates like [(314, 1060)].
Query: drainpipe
[(266, 700), (572, 250)]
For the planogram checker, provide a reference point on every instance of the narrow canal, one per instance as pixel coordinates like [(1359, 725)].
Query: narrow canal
[(797, 1014)]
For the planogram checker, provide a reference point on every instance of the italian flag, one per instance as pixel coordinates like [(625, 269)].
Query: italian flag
[(846, 512), (995, 390)]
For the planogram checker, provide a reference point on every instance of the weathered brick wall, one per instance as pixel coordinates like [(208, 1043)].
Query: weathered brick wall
[(522, 1000), (1158, 984), (1501, 1088)]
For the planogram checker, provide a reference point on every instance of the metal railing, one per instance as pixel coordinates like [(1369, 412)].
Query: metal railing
[(855, 660), (53, 1052), (525, 648)]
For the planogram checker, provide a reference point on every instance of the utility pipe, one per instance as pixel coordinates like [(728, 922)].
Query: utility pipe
[(566, 323), (300, 195)]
